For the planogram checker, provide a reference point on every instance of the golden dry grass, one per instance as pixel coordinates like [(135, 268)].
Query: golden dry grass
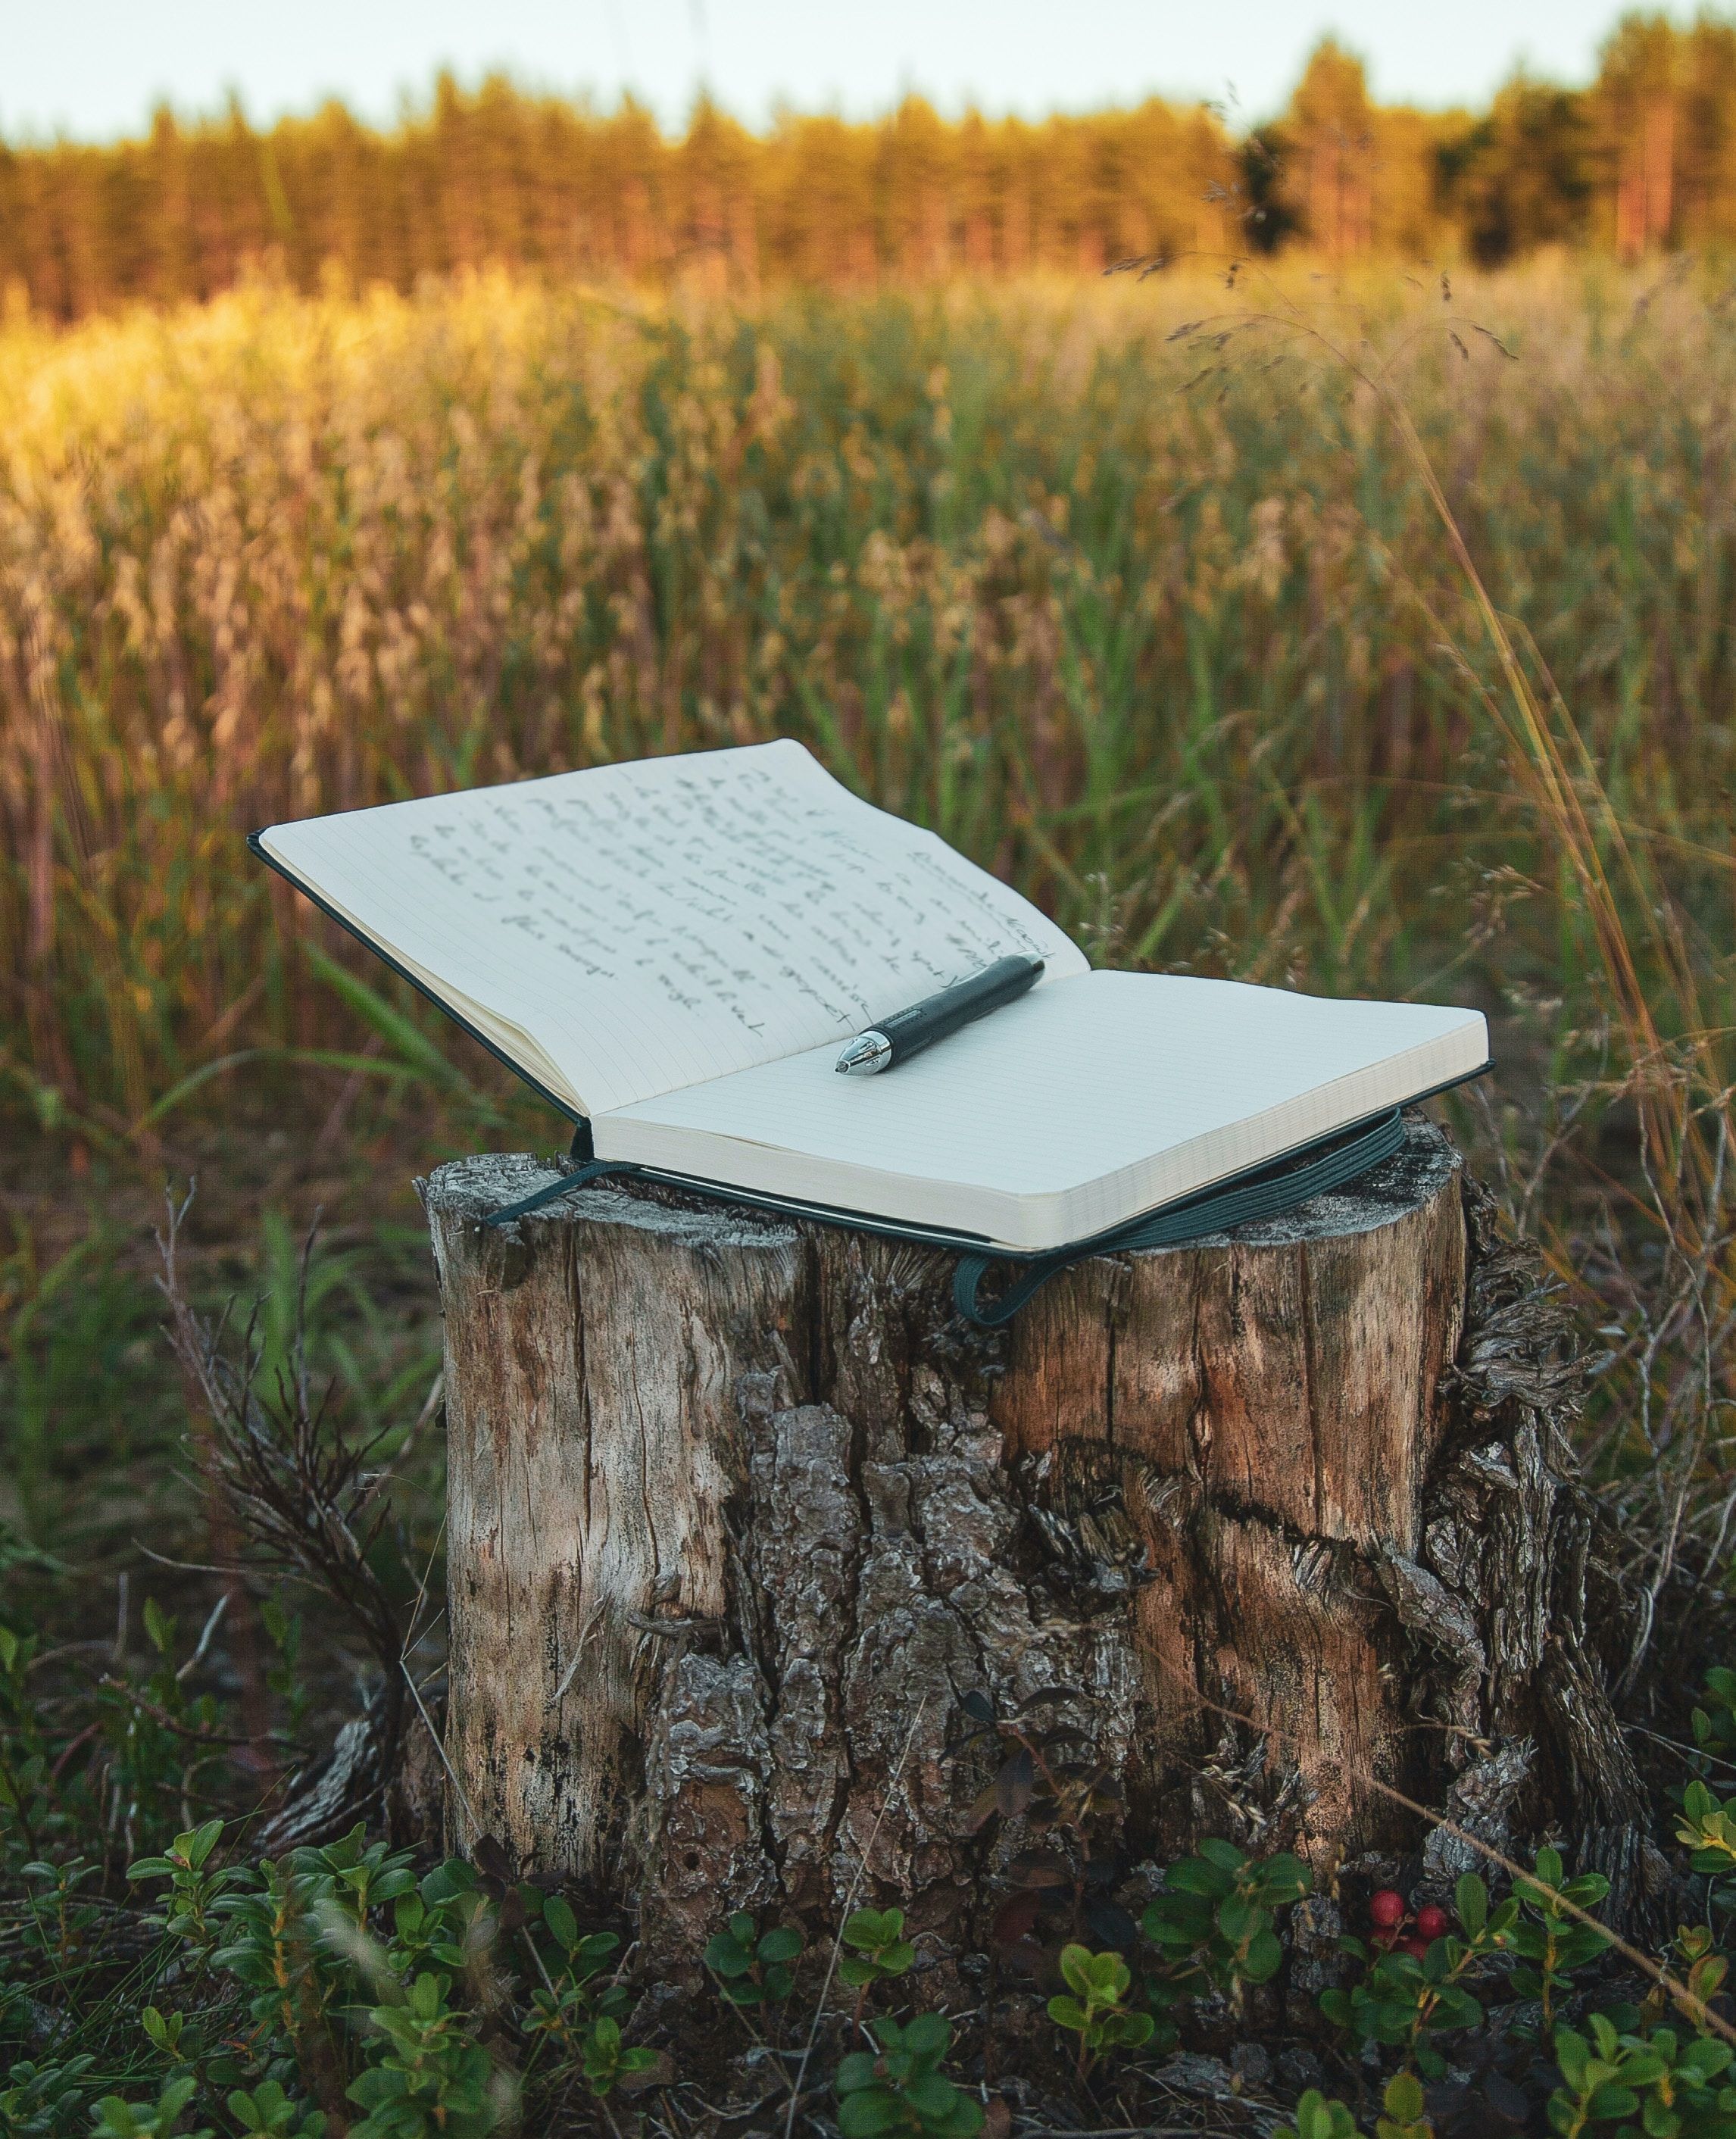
[(1297, 630)]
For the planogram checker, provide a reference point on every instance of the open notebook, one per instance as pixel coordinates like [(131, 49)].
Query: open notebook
[(677, 948)]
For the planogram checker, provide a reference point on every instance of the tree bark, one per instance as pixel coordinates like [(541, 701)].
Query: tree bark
[(1269, 1526)]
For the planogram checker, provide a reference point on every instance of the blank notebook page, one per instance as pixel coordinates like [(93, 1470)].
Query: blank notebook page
[(1064, 1114)]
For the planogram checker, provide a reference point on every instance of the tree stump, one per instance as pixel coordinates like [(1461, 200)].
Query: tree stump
[(740, 1513)]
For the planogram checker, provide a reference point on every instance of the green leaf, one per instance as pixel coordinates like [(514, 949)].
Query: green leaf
[(1572, 2054), (1240, 1918), (873, 2110), (1189, 1877), (1284, 1877), (160, 1627), (1404, 2097), (780, 1944), (867, 1929), (931, 2096), (857, 2070), (927, 2034), (1068, 2013), (410, 1045), (1470, 1898), (726, 1956), (198, 1845)]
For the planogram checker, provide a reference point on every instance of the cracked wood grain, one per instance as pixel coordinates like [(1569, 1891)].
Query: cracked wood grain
[(739, 1511)]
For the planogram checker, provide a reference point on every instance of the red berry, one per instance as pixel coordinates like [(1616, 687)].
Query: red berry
[(1431, 1923), (1418, 1949), (1386, 1910)]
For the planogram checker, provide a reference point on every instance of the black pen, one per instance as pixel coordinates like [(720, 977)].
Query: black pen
[(906, 1032)]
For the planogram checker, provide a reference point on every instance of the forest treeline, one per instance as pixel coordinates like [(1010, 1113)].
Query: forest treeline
[(1642, 160)]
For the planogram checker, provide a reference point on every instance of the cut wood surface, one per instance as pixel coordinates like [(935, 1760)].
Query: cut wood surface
[(740, 1513)]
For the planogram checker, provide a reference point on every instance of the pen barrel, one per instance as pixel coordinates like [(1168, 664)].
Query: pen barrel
[(910, 1030)]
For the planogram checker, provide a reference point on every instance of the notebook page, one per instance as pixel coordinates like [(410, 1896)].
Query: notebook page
[(635, 929), (1064, 1114)]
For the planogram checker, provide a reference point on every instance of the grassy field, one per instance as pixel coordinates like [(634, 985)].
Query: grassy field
[(1162, 625), (1371, 637)]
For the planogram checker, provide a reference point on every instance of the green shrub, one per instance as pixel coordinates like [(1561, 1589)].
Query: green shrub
[(879, 1951), (1550, 1943), (1214, 1924), (434, 2081), (753, 1969), (1642, 2086), (1408, 2001), (900, 2088), (1094, 2006), (1318, 2118)]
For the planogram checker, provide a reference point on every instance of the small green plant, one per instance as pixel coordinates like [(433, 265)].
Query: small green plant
[(605, 2061), (900, 2088), (351, 1876), (59, 1921), (1550, 1941), (1318, 2118), (1407, 1999), (272, 2114), (434, 1926), (433, 2079), (1699, 1968), (175, 2040), (1094, 2005), (879, 1952), (1708, 1826), (575, 2008), (27, 1819), (1214, 1922), (158, 1738), (190, 1912), (1403, 2115), (117, 2119), (291, 1981), (1642, 2086), (42, 2102), (753, 1969)]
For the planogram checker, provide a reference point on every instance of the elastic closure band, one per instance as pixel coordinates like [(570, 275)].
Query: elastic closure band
[(1245, 1203), (551, 1191), (583, 1167), (1167, 1228)]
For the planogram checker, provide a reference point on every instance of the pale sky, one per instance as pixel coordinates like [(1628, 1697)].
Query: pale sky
[(93, 69)]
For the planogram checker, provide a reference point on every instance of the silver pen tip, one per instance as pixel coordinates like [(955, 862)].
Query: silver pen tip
[(868, 1053)]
